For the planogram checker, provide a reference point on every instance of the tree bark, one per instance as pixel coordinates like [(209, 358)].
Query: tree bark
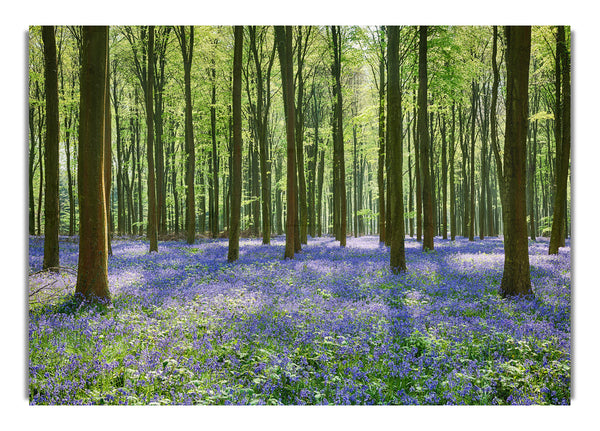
[(339, 135), (442, 123), (381, 124), (120, 161), (493, 126), (474, 99), (283, 39), (107, 155), (452, 186), (214, 228), (320, 192), (394, 115), (263, 103), (51, 203), (516, 277), (301, 48), (152, 233), (424, 143), (92, 275), (31, 172), (236, 171), (190, 156), (562, 170), (532, 152)]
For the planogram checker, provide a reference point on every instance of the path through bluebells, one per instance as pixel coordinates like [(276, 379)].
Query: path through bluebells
[(331, 326)]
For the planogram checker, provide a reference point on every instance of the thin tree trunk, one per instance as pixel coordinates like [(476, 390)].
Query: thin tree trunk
[(152, 233), (474, 99), (215, 156), (107, 157), (424, 142), (31, 172), (190, 156), (283, 38), (51, 203), (339, 136), (562, 170), (320, 192), (418, 186), (452, 186), (40, 128), (381, 123), (493, 128), (301, 47), (444, 179), (236, 170)]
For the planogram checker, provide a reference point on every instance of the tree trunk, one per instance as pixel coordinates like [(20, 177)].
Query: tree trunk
[(301, 47), (92, 275), (214, 228), (424, 143), (452, 186), (484, 182), (41, 124), (381, 158), (319, 198), (190, 156), (562, 170), (283, 39), (51, 203), (120, 179), (516, 277), (411, 205), (418, 186), (355, 180), (531, 169), (444, 179), (493, 127), (152, 233), (159, 85), (263, 102), (236, 171), (107, 156), (339, 136), (31, 172), (394, 114), (474, 99)]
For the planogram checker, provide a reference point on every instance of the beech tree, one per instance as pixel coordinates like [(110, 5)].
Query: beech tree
[(339, 171), (563, 143), (152, 232), (51, 206), (92, 275), (191, 135), (107, 154), (236, 169), (516, 276), (261, 115), (381, 136), (187, 49), (423, 143), (394, 114), (283, 39)]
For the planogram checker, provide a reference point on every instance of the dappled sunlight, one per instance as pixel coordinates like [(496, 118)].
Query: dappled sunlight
[(329, 326)]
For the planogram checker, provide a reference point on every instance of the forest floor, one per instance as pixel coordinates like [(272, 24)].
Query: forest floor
[(331, 326)]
